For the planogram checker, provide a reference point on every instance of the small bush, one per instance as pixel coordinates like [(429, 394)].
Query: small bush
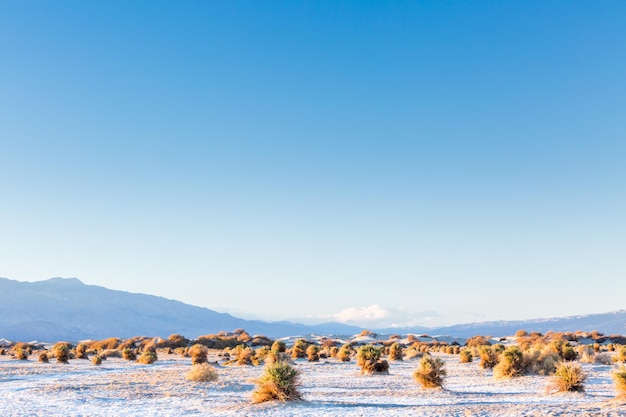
[(541, 362), (198, 354), (603, 358), (129, 354), (368, 358), (620, 354), (278, 382), (430, 373), (511, 363), (81, 351), (488, 357), (149, 356), (568, 377), (43, 357), (312, 353), (21, 354), (345, 353), (298, 350), (96, 360), (619, 379), (465, 356), (202, 372), (278, 347), (395, 352), (62, 352)]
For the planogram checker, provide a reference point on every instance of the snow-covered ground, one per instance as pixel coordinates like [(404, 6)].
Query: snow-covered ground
[(330, 388)]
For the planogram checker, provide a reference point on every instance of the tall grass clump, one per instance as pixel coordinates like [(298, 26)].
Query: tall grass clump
[(43, 357), (96, 360), (395, 352), (568, 377), (280, 381), (619, 379), (198, 354), (430, 373), (202, 372), (511, 363)]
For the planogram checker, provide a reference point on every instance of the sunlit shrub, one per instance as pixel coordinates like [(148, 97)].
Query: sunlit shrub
[(430, 373), (568, 377), (395, 352), (280, 381), (511, 363), (202, 372), (198, 354)]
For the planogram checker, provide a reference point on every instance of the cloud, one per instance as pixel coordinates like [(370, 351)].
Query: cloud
[(376, 316)]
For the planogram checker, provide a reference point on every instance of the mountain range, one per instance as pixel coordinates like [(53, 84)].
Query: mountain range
[(67, 309)]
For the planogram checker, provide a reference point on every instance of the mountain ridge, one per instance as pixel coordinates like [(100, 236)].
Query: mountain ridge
[(68, 309)]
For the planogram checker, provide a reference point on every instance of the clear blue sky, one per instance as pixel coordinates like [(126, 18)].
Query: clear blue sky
[(421, 162)]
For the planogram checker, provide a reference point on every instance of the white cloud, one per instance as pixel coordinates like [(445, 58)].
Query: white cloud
[(376, 316)]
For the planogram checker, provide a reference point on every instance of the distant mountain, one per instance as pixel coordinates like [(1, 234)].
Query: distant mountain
[(607, 323), (67, 309)]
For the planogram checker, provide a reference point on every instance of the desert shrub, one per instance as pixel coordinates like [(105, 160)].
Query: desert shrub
[(465, 356), (278, 346), (564, 349), (568, 377), (367, 353), (176, 340), (312, 353), (110, 353), (261, 353), (619, 379), (430, 373), (43, 357), (477, 341), (511, 363), (21, 354), (488, 357), (110, 343), (202, 372), (129, 354), (620, 354), (280, 381), (148, 356), (81, 351), (586, 354), (62, 352), (603, 358), (198, 354), (368, 359), (96, 360), (345, 353), (540, 362), (333, 351), (241, 355), (277, 357), (298, 350), (395, 352)]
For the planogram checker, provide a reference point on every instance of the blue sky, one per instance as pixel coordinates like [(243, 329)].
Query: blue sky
[(372, 162)]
